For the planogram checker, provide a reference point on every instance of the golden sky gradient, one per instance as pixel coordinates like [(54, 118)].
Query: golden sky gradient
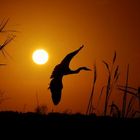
[(60, 27)]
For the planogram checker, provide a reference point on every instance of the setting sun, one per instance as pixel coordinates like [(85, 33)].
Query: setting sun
[(40, 56)]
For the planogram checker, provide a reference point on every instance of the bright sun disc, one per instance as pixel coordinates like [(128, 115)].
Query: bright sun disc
[(40, 56)]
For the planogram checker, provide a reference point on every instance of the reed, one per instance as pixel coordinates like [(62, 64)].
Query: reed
[(135, 96), (90, 106), (129, 110), (9, 38), (139, 96), (40, 109), (125, 93), (113, 76), (115, 111)]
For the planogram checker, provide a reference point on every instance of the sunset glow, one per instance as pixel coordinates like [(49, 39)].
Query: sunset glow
[(40, 56)]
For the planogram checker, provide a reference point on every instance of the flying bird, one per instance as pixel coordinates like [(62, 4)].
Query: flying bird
[(59, 71)]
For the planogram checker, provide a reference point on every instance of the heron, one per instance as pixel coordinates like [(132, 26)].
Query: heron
[(61, 70)]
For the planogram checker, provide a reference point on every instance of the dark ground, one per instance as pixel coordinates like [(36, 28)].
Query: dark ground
[(59, 123)]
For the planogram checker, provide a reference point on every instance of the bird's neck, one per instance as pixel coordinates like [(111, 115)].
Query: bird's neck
[(77, 70)]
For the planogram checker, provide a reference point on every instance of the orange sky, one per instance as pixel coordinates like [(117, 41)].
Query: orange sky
[(61, 26)]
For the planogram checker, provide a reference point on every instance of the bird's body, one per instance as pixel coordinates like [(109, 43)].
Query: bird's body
[(56, 88), (59, 71)]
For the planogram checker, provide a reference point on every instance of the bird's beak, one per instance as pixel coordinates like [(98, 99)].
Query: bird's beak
[(89, 69), (81, 47)]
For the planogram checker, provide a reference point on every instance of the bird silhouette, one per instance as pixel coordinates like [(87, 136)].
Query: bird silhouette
[(59, 71)]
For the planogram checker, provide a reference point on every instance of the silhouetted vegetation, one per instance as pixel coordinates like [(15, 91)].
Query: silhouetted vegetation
[(128, 109), (90, 107), (58, 121), (113, 75), (10, 37)]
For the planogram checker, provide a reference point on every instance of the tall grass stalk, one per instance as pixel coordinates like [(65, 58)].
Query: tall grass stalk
[(139, 96), (114, 110), (101, 93), (125, 94), (111, 81), (130, 105), (134, 92), (90, 107), (107, 94), (9, 38)]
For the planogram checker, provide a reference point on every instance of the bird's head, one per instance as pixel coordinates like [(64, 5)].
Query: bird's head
[(79, 69)]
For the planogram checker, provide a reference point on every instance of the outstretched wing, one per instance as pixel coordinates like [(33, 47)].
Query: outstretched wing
[(56, 88), (63, 67), (56, 72), (66, 61)]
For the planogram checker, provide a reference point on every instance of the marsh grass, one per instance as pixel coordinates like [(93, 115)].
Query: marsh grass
[(10, 36), (113, 76), (40, 109), (130, 103), (115, 111), (125, 93), (90, 107), (139, 96), (3, 23), (130, 110)]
